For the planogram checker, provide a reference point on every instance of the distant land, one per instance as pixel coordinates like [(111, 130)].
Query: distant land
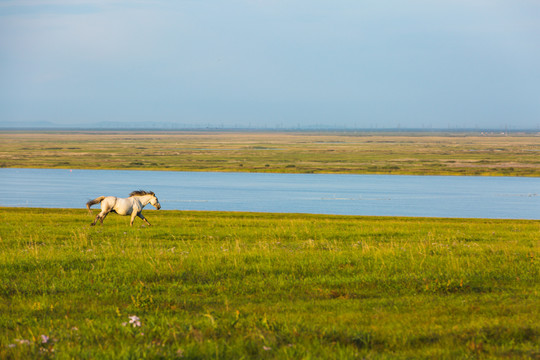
[(156, 126)]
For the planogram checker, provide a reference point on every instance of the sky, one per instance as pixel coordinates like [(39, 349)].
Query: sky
[(272, 63)]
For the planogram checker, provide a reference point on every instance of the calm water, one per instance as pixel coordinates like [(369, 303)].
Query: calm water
[(432, 196)]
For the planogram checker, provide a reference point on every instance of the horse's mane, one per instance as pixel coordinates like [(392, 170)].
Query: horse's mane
[(140, 193)]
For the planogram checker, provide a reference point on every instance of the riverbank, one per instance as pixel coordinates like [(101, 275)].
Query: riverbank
[(252, 285), (514, 154)]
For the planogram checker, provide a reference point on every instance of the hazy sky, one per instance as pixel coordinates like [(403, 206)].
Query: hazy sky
[(378, 63)]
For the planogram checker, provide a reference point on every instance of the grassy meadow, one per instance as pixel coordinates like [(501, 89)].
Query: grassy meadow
[(515, 154), (212, 285)]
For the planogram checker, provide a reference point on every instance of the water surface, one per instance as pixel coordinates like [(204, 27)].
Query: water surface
[(385, 195)]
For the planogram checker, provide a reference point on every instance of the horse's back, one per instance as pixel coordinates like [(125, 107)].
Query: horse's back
[(125, 206)]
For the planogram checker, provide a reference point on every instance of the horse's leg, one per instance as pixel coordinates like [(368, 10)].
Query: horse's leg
[(106, 208), (95, 220), (103, 217), (142, 217), (99, 217), (133, 215)]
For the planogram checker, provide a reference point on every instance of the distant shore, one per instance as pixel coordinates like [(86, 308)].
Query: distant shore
[(340, 152)]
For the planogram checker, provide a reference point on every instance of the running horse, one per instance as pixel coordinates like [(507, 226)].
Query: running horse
[(132, 205)]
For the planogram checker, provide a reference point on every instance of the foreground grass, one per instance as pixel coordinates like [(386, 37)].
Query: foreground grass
[(326, 152), (243, 285)]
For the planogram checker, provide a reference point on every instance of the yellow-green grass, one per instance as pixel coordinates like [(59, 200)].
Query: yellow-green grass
[(282, 286), (287, 152)]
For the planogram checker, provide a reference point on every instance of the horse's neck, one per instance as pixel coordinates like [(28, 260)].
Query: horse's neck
[(145, 199)]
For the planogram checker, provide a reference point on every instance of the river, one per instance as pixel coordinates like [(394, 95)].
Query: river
[(374, 195)]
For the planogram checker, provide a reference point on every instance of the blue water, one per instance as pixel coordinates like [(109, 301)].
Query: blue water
[(386, 195)]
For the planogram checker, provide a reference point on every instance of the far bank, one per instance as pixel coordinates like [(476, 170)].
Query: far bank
[(403, 153)]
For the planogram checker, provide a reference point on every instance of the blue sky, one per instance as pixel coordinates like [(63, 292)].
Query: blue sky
[(272, 63)]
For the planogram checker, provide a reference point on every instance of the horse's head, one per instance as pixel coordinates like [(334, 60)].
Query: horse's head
[(155, 203)]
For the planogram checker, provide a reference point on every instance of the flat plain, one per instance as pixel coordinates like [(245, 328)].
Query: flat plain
[(200, 285), (513, 154)]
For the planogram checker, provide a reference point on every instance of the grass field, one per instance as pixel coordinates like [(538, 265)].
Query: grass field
[(271, 286), (286, 152)]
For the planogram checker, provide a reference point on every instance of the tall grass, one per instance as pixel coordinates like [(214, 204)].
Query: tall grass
[(244, 285)]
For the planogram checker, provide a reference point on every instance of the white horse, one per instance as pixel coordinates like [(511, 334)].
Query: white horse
[(132, 205)]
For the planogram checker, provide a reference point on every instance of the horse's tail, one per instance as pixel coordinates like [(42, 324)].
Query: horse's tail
[(93, 202)]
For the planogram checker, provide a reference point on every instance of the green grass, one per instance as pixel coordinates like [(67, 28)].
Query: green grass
[(270, 286)]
